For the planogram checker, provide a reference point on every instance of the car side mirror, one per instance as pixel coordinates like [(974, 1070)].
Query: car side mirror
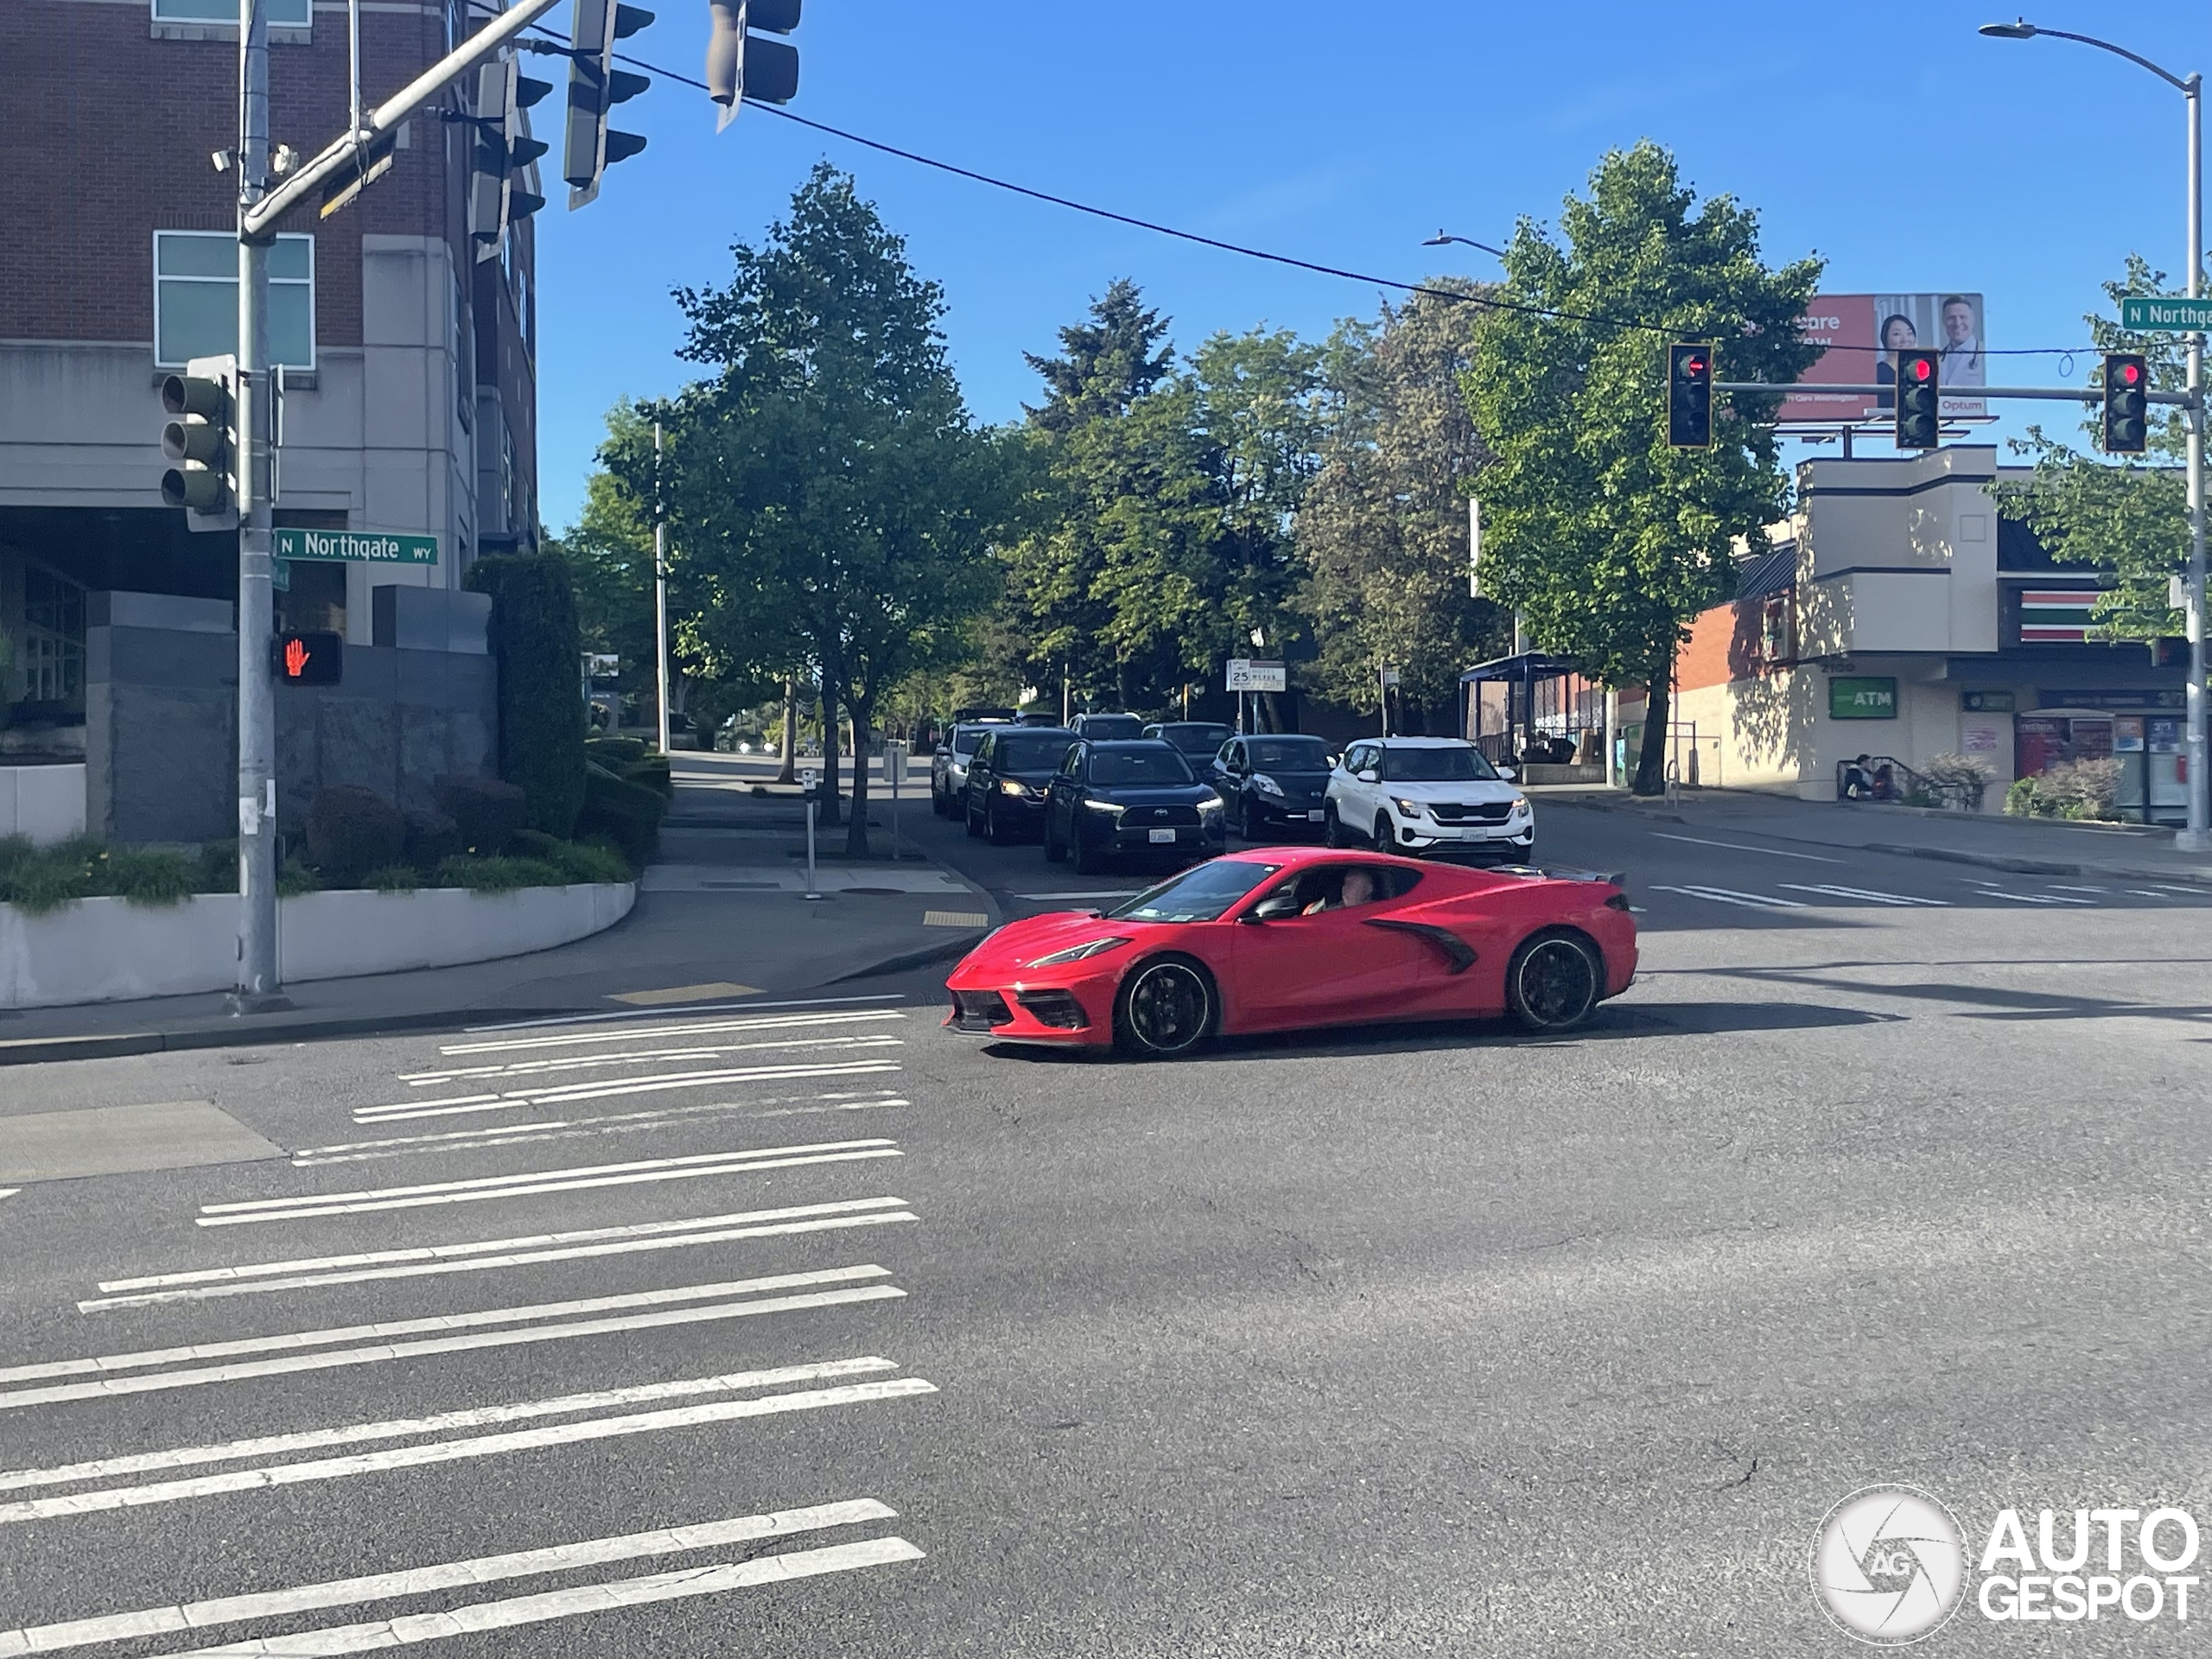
[(1506, 772), (1370, 776)]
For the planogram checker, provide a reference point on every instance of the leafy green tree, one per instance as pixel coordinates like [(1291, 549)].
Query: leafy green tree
[(829, 489), (2128, 516), (1607, 540), (1383, 536)]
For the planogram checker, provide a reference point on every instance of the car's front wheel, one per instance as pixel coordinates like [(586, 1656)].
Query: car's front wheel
[(1087, 862), (1385, 836), (975, 824), (940, 803), (1253, 824), (1056, 850), (1166, 1007), (1332, 827), (1553, 981)]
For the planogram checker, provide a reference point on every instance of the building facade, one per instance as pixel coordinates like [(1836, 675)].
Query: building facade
[(410, 391)]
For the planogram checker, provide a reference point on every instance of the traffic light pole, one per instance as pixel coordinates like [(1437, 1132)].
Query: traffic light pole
[(2198, 838), (258, 976)]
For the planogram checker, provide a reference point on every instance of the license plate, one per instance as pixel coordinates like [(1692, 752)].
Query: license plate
[(1162, 837), (1317, 818)]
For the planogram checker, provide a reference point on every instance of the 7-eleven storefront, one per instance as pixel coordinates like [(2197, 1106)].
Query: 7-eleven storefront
[(2141, 727)]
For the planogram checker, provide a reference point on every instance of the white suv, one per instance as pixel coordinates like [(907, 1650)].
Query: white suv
[(1419, 794)]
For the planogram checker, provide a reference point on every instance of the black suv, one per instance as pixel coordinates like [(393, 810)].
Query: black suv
[(1138, 796), (1006, 778), (1273, 785)]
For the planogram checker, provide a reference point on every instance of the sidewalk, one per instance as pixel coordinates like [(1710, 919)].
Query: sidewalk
[(2023, 846), (721, 917)]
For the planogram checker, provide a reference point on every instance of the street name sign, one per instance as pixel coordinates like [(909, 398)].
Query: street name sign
[(2144, 312), (359, 546), (1247, 675)]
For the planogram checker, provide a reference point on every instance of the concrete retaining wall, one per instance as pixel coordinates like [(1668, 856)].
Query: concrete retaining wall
[(110, 949), (45, 803)]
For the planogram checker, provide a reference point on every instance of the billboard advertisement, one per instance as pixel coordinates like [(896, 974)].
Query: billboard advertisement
[(1863, 333)]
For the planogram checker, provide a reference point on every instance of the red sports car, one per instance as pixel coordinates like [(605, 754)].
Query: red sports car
[(1280, 937)]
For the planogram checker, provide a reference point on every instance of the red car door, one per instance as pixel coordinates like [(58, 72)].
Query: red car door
[(1328, 968)]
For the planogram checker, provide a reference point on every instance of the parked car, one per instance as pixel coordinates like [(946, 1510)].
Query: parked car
[(1108, 729), (1427, 794), (1005, 795), (1284, 939), (1199, 740), (1274, 785), (982, 716), (949, 766), (1141, 796)]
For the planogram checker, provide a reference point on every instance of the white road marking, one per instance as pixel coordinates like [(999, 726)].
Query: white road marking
[(2190, 893), (452, 1575), (1728, 896), (681, 1031), (9, 1191), (2060, 887), (54, 1394), (2143, 892), (663, 1013), (1738, 847), (562, 1128), (419, 1270), (513, 1099), (311, 1206), (633, 1057), (457, 1450), (2033, 897), (479, 1617), (1869, 894), (318, 1440)]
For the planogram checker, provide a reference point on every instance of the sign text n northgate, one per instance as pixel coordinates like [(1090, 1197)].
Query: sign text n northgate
[(361, 546), (2143, 312)]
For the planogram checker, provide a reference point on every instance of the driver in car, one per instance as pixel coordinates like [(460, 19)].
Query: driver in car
[(1357, 888)]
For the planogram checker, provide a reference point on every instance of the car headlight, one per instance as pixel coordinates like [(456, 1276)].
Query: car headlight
[(1519, 805), (1114, 807), (1212, 809), (1079, 953), (1411, 808), (1009, 786), (1266, 784)]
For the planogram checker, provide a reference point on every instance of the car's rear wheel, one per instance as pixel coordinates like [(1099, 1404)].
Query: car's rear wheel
[(1333, 828), (1166, 1007), (1553, 981)]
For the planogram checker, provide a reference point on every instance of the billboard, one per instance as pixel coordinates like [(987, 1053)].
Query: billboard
[(1863, 332)]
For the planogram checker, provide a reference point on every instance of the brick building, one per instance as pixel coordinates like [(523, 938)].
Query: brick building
[(409, 364)]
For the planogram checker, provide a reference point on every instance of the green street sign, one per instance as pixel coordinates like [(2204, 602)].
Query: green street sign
[(358, 546), (2143, 315), (1863, 699)]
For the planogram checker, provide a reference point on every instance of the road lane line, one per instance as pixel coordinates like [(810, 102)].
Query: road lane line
[(490, 1263), (476, 1134), (1739, 846), (663, 1013), (632, 1057), (2061, 886), (320, 1440), (9, 1191), (452, 1575), (457, 1450), (1729, 896), (515, 1098), (734, 1020), (477, 1617), (1869, 894), (292, 1364)]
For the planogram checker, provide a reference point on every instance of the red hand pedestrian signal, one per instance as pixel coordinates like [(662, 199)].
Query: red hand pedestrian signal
[(307, 658), (296, 658)]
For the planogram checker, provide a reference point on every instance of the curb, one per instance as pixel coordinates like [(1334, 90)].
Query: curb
[(950, 950), (39, 1050)]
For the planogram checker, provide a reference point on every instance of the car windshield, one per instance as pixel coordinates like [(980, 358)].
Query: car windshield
[(1291, 753), (1197, 895), (1201, 740), (1112, 726), (1027, 753), (1161, 767), (966, 742), (1436, 767)]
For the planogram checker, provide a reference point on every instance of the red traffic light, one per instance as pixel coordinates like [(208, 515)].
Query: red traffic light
[(1921, 368), (2130, 373)]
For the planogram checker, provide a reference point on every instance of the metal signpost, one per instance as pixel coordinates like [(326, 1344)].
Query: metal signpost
[(809, 779), (894, 773), (1249, 677)]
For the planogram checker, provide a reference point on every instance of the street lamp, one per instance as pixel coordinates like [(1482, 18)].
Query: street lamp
[(2198, 838), (1444, 240)]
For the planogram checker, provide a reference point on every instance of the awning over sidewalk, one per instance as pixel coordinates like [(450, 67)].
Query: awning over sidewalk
[(1530, 701)]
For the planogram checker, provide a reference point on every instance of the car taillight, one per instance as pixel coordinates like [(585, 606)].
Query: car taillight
[(1618, 901)]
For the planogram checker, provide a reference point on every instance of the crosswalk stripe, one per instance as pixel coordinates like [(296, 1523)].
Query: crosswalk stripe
[(1739, 846), (452, 1575), (291, 1364), (1869, 894), (638, 1057), (479, 1616), (552, 1129), (1729, 896), (457, 1450), (322, 1440), (2033, 898), (603, 1091), (2061, 886), (492, 1263), (616, 1034)]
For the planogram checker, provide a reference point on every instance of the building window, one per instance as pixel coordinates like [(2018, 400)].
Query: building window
[(54, 638), (522, 310), (196, 297), (282, 14)]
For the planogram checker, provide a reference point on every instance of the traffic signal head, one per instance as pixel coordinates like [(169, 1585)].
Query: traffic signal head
[(2127, 427), (1919, 400), (741, 64), (199, 439), (595, 86), (309, 658), (504, 155), (1689, 396)]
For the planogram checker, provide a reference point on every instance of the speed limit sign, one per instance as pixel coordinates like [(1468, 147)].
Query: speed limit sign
[(809, 777)]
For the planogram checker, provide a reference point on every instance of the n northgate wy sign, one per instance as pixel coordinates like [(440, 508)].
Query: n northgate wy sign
[(359, 546), (2141, 312)]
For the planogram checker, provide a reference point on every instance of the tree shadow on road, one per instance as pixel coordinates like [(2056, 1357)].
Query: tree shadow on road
[(1992, 1001)]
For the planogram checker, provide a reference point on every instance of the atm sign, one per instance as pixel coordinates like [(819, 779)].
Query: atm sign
[(1863, 699)]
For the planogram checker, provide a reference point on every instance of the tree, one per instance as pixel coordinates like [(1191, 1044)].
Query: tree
[(2130, 518), (1608, 541), (1383, 537), (832, 492)]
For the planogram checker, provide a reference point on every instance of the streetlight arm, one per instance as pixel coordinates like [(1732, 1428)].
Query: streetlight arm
[(2167, 76)]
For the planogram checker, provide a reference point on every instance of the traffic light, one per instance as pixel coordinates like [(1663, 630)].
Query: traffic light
[(1919, 399), (740, 65), (1689, 396), (311, 657), (595, 86), (496, 198), (200, 442), (2127, 429)]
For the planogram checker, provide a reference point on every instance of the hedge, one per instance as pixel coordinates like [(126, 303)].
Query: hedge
[(535, 642), (627, 813)]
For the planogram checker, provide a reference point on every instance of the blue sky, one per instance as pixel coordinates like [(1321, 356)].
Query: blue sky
[(1346, 133)]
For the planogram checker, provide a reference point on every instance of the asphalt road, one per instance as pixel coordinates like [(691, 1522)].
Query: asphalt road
[(1430, 1340)]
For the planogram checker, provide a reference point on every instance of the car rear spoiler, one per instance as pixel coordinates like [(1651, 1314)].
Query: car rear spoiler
[(1566, 872)]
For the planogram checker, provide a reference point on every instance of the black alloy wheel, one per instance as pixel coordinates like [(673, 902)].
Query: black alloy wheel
[(1087, 861), (1553, 981), (1254, 824), (1056, 850), (975, 824), (1333, 828), (993, 831), (1166, 1008), (1385, 837)]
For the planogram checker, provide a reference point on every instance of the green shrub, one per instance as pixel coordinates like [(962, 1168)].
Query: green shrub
[(295, 879), (44, 879), (350, 831), (393, 878), (497, 875), (616, 752), (218, 870), (651, 772), (487, 812), (576, 862), (535, 640), (626, 813), (2020, 798), (432, 836)]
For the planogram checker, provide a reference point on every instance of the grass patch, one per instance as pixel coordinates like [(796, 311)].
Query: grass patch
[(495, 874), (39, 880)]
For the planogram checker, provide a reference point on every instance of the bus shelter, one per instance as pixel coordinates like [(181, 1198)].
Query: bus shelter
[(1533, 709)]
